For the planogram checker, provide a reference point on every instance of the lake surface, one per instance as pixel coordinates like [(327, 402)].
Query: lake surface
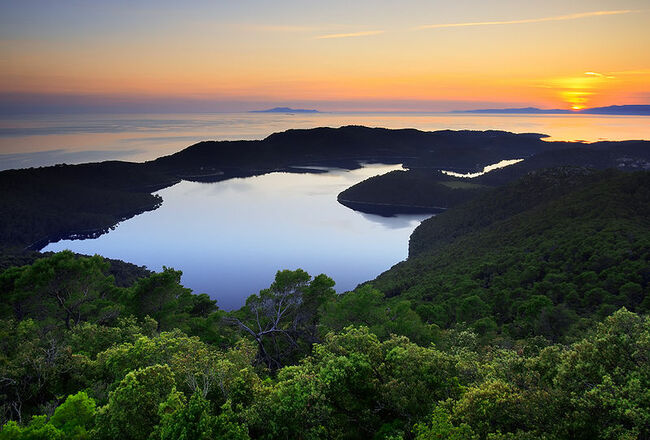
[(27, 141), (229, 238)]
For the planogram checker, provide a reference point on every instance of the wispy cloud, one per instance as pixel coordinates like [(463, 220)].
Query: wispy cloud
[(352, 34), (529, 20), (599, 75), (279, 28)]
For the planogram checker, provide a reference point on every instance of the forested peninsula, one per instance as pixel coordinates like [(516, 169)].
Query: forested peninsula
[(521, 312)]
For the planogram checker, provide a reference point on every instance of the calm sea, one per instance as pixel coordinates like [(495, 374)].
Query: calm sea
[(48, 140)]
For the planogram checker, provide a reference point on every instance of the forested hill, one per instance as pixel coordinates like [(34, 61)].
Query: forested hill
[(534, 257), (39, 205), (422, 189), (346, 145)]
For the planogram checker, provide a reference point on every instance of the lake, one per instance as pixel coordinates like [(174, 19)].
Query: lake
[(229, 238)]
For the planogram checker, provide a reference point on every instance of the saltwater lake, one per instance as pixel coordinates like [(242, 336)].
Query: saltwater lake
[(229, 238)]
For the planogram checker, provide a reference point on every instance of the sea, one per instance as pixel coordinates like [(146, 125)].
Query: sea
[(41, 140)]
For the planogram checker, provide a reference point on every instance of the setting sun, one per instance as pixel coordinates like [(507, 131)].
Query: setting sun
[(414, 57)]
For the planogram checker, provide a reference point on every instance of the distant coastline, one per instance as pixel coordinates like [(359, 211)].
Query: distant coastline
[(285, 110), (630, 110)]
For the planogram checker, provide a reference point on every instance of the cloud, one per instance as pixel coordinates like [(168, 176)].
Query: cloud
[(599, 75), (529, 20), (279, 28), (353, 34)]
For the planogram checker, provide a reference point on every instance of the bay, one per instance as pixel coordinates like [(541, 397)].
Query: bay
[(229, 238)]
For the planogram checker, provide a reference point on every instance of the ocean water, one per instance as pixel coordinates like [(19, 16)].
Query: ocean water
[(50, 139)]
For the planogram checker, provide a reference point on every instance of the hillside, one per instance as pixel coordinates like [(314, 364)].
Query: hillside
[(409, 191), (535, 257), (345, 146), (519, 315), (430, 191)]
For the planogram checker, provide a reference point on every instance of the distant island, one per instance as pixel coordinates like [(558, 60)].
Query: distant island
[(632, 110), (285, 110)]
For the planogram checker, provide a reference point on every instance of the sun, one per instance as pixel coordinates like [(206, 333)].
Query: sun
[(577, 107)]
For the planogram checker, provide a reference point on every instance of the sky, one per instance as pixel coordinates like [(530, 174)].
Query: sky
[(338, 55)]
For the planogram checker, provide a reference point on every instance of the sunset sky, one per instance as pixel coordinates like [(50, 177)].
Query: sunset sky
[(335, 55)]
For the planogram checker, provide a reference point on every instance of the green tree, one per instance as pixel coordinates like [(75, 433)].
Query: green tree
[(75, 417), (72, 420), (606, 380), (132, 409), (162, 297), (65, 289), (194, 420), (285, 315), (440, 427)]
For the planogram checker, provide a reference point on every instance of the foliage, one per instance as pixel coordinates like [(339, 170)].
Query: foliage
[(538, 330), (194, 421), (132, 409), (439, 427), (549, 255), (73, 420), (283, 318)]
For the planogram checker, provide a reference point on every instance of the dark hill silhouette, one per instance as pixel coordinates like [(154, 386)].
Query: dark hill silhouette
[(345, 146), (638, 110)]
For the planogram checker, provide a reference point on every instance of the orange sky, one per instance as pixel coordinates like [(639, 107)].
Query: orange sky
[(548, 54)]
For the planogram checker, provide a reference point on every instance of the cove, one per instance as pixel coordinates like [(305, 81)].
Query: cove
[(229, 238)]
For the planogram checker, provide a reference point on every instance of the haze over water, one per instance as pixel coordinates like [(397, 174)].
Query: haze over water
[(27, 141)]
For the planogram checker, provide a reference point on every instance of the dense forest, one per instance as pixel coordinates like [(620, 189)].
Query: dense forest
[(39, 205), (520, 314), (412, 191), (423, 189)]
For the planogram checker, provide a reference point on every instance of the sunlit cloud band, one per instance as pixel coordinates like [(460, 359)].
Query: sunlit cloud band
[(529, 20), (353, 34)]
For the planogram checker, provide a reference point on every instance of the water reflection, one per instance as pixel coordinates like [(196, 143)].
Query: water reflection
[(494, 166), (229, 238), (396, 221)]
